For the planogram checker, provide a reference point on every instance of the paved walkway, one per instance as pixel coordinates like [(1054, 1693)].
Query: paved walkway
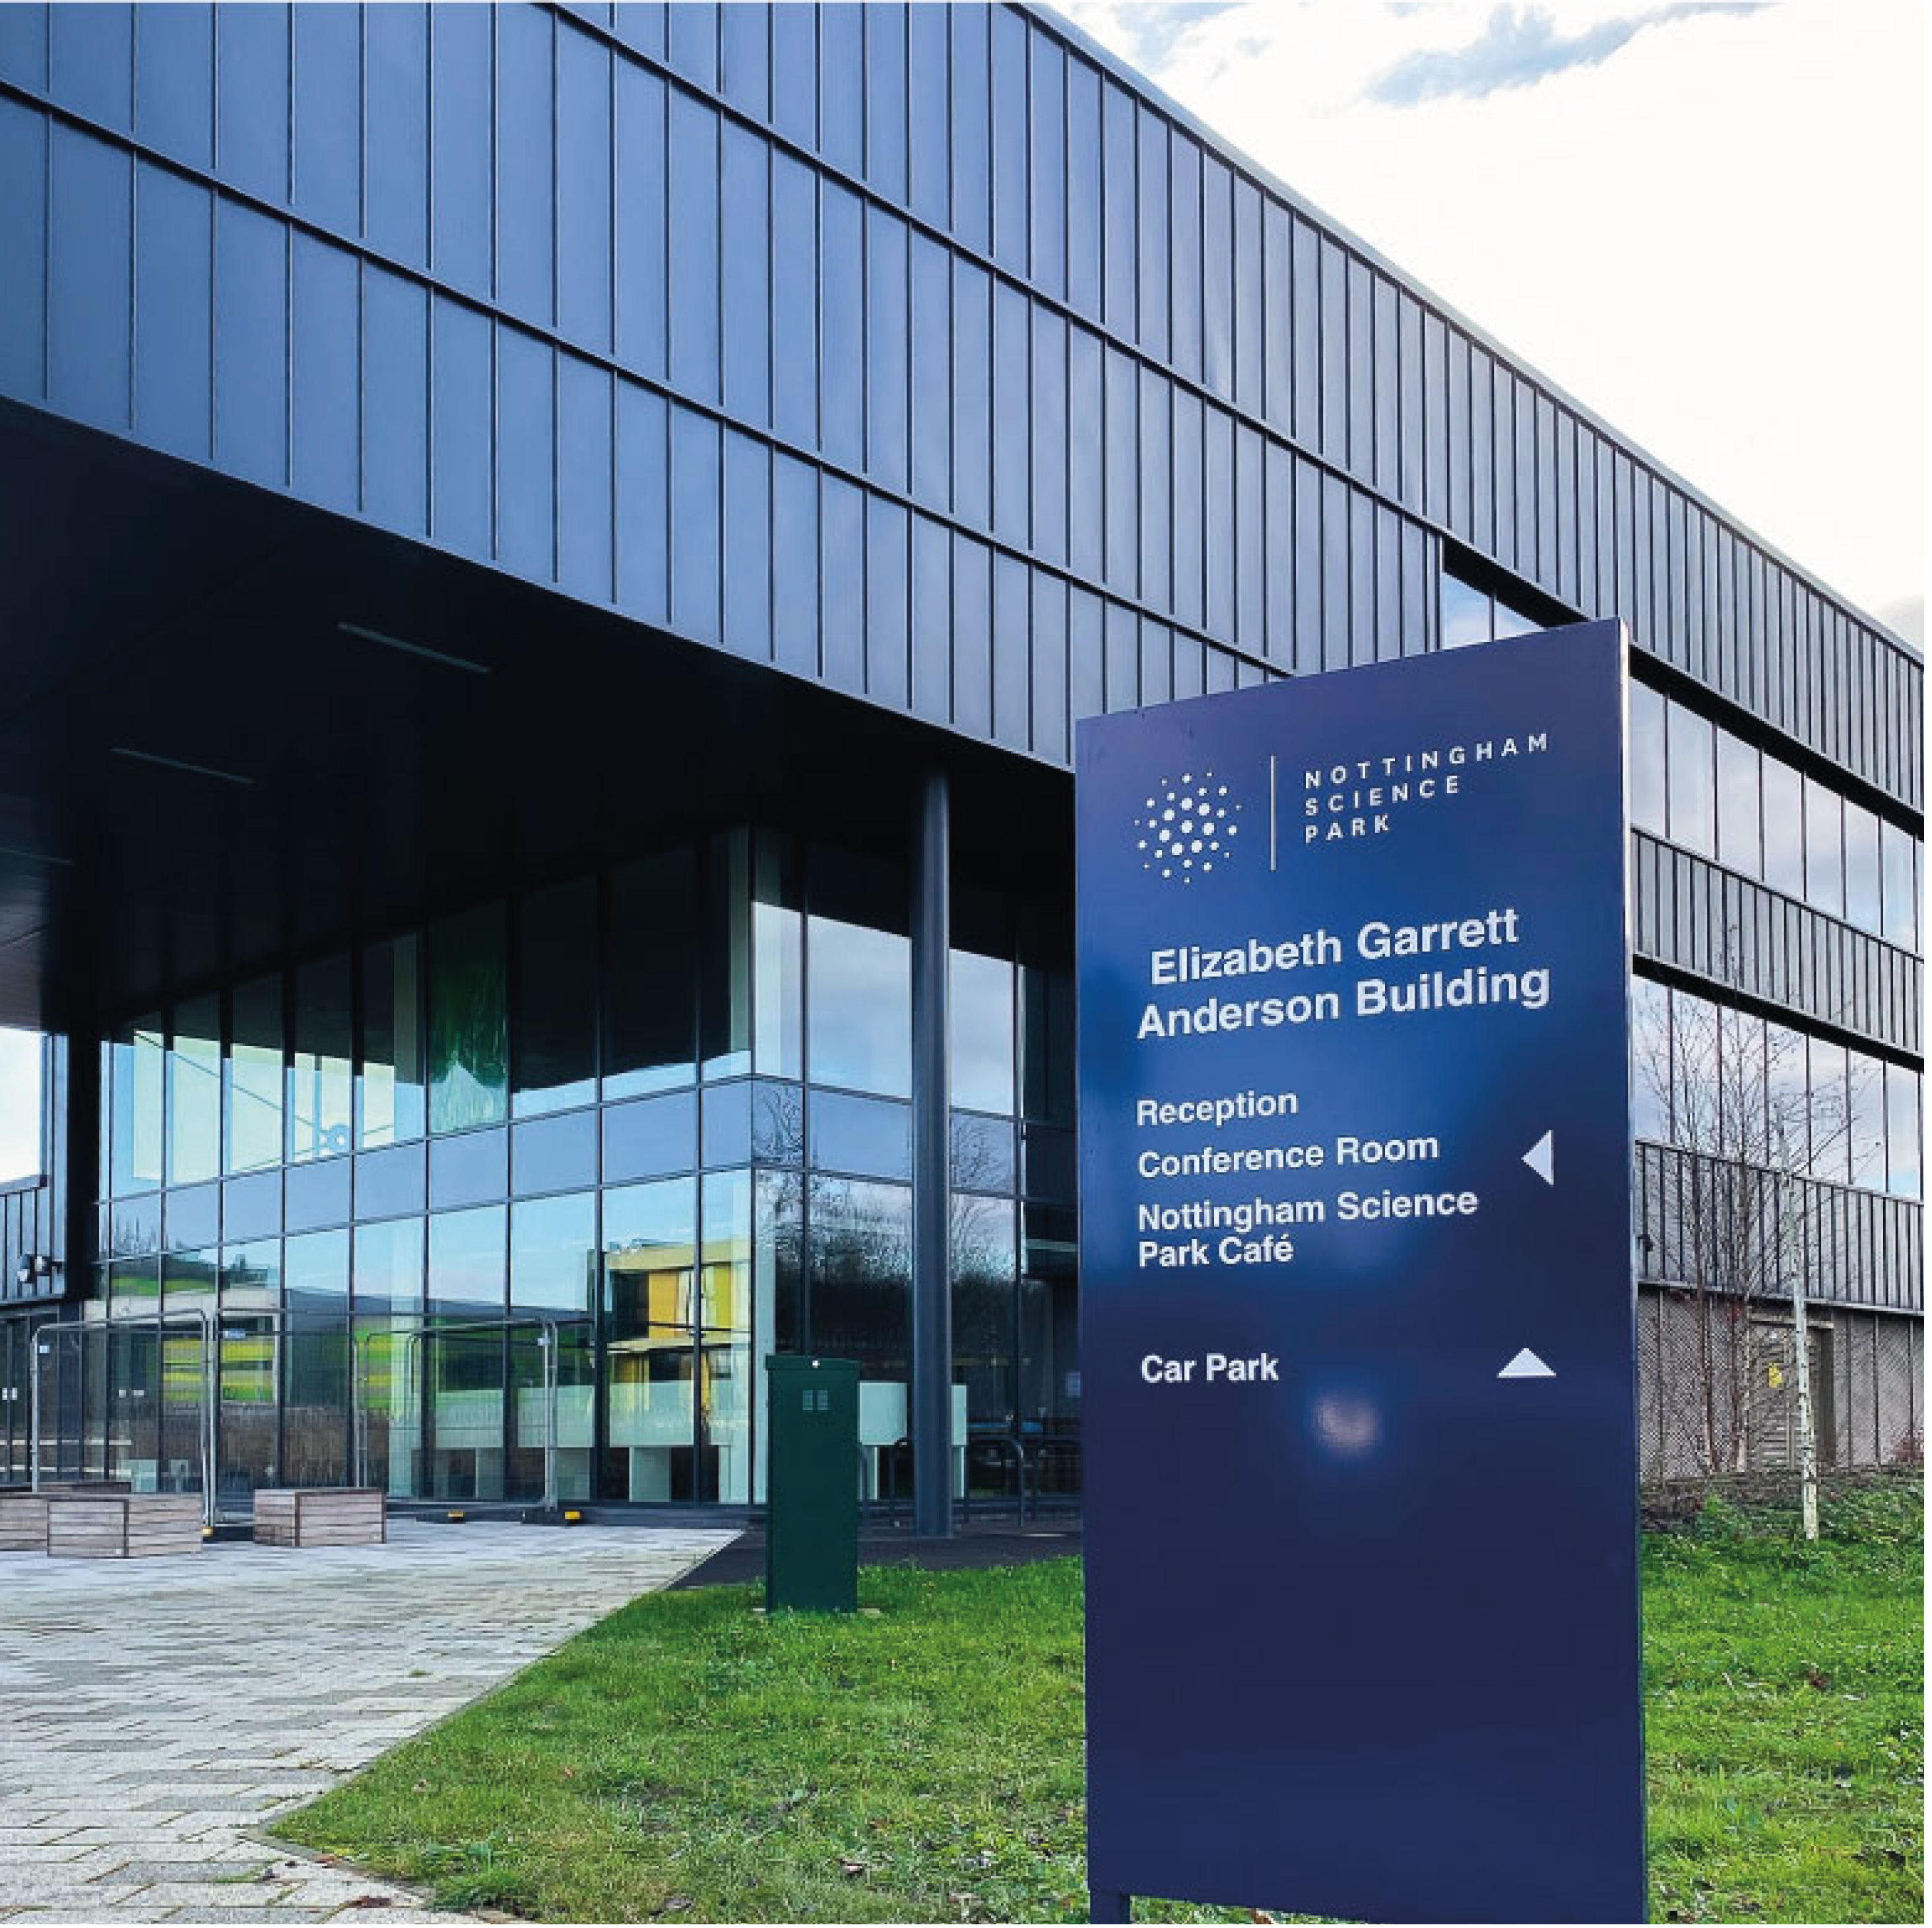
[(156, 1712)]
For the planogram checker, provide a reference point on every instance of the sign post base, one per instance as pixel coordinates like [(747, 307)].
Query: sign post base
[(1109, 1904)]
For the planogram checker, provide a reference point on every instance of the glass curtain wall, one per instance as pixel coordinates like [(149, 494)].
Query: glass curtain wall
[(532, 1192)]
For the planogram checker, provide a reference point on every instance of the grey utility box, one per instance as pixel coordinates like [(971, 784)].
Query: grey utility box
[(812, 1485)]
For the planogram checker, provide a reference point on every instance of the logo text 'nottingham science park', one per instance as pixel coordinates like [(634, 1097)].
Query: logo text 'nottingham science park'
[(1187, 827)]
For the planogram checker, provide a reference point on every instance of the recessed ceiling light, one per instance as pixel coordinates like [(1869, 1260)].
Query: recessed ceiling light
[(175, 763), (428, 655)]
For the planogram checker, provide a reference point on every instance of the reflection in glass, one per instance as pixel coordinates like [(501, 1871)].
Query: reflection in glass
[(982, 1026), (553, 1253), (1866, 1133), (1046, 1034), (555, 1029), (138, 1062), (247, 1438), (1861, 867), (194, 1093), (1902, 1095), (1784, 828), (1824, 848), (390, 1096), (868, 1137), (466, 1264), (1788, 1103), (861, 1288), (469, 1052), (1466, 614), (1693, 780), (1049, 1331), (254, 1110), (859, 1008), (649, 1233), (1901, 891), (466, 1370), (777, 939), (650, 1017), (1830, 1112), (319, 1082), (315, 1409), (388, 1305), (778, 1289), (1740, 840), (725, 1337), (984, 1257), (982, 1153), (1650, 1061), (724, 966), (1646, 760)]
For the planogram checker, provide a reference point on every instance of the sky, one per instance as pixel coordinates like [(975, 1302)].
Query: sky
[(1705, 221)]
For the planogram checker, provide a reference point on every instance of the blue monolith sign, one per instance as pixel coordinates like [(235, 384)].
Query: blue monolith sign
[(1357, 1330)]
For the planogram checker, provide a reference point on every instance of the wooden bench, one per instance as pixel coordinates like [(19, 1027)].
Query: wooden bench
[(23, 1515), (122, 1526), (319, 1516)]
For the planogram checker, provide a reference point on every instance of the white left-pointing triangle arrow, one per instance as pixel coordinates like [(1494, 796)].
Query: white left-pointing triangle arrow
[(1541, 1158), (1525, 1366)]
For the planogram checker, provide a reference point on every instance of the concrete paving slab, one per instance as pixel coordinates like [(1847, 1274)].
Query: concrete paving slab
[(160, 1712)]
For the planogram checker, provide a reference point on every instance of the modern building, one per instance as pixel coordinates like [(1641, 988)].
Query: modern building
[(552, 556)]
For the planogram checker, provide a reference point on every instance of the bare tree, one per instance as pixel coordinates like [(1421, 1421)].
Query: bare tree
[(1731, 1092)]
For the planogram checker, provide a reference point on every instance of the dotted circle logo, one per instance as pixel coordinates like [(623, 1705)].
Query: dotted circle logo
[(1187, 827)]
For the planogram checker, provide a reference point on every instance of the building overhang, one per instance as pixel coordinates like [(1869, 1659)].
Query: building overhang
[(236, 729)]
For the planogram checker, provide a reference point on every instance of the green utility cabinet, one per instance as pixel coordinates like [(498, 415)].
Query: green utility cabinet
[(811, 1518)]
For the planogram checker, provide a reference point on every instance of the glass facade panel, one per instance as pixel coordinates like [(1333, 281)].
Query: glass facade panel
[(982, 1153), (1740, 837), (861, 1268), (253, 1097), (315, 1361), (466, 1264), (388, 1356), (194, 1093), (859, 1006), (724, 985), (1646, 760), (1830, 1112), (982, 1018), (1863, 905), (984, 1309), (870, 1137), (1650, 1061), (650, 1030), (1902, 1091), (1692, 781), (138, 1060), (320, 1087), (1047, 1391), (728, 1409), (391, 1100), (468, 1046), (1466, 614), (1824, 848), (1899, 849), (1784, 828), (1867, 1120), (555, 1027), (649, 1236), (553, 1254)]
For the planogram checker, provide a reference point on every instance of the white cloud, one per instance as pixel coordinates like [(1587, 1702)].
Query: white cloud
[(1711, 233)]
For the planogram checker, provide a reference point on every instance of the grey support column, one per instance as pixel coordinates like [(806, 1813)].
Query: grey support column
[(931, 1401)]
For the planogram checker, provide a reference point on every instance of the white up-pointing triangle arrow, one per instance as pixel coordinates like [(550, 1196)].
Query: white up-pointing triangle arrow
[(1525, 1366), (1541, 1159)]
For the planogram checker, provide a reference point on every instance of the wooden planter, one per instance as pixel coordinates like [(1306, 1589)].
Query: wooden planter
[(319, 1516), (122, 1526)]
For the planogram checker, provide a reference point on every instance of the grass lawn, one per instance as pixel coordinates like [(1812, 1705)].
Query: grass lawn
[(686, 1758)]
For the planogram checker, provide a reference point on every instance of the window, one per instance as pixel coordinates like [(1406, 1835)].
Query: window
[(1692, 781), (390, 1097), (319, 1082), (468, 1045), (1647, 804), (254, 1077)]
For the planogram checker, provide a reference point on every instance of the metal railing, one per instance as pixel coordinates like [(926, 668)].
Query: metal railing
[(412, 1334), (105, 1329)]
